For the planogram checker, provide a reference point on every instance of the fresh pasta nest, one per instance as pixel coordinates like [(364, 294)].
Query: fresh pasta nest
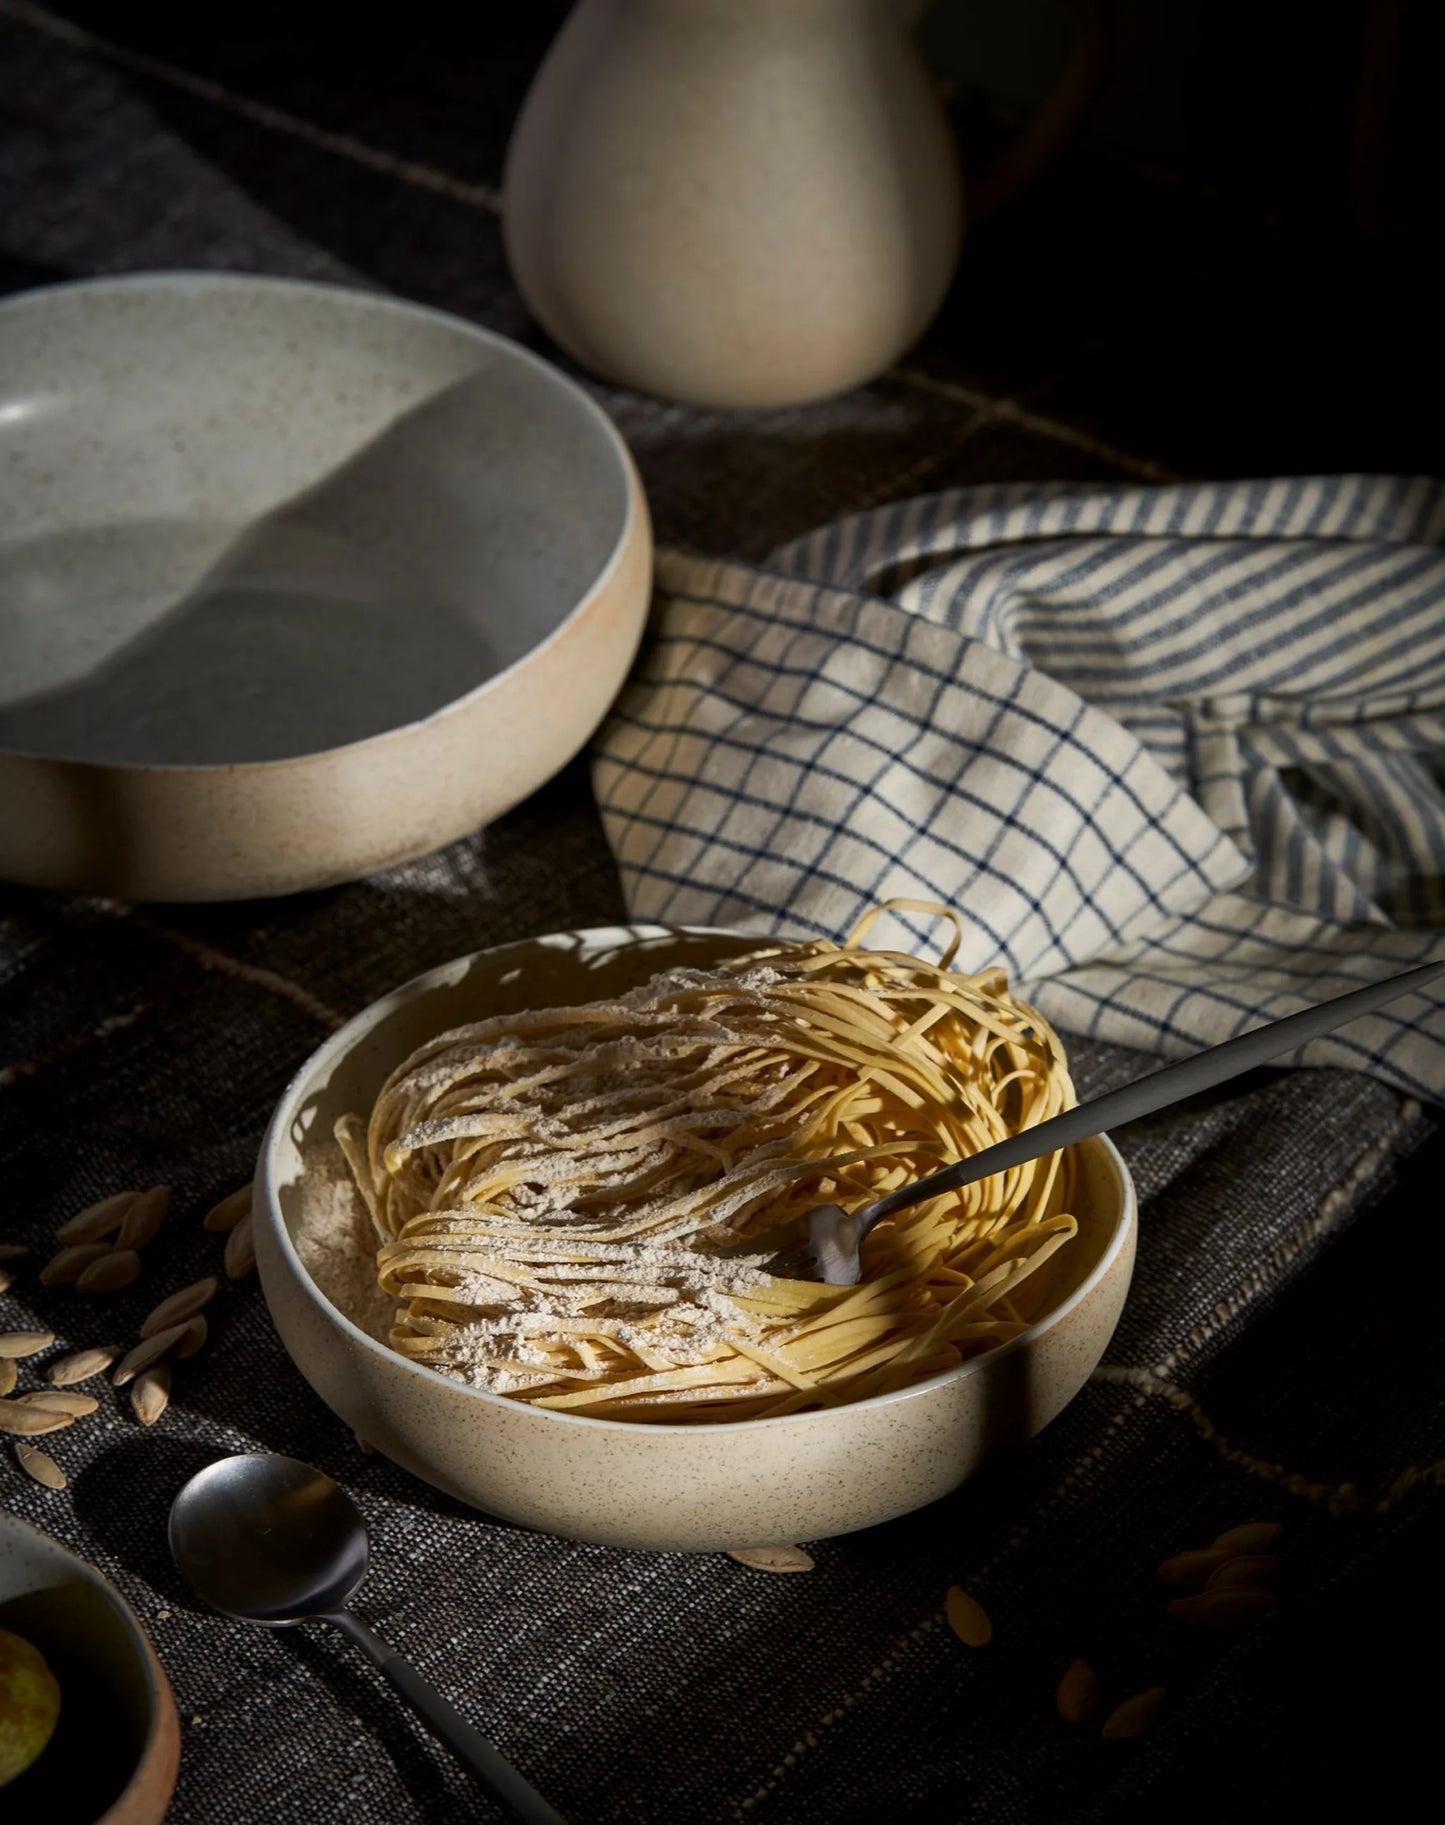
[(563, 1199)]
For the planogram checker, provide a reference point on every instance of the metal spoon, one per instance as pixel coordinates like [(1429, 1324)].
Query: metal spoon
[(835, 1236), (268, 1539)]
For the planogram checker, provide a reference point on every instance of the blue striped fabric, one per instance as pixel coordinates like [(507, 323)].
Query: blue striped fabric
[(1177, 754)]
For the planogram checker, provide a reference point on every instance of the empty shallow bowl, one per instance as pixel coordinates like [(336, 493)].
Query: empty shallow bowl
[(116, 1748), (666, 1487), (295, 582)]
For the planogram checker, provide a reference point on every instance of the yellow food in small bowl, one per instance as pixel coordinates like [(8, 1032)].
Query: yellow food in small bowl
[(29, 1705)]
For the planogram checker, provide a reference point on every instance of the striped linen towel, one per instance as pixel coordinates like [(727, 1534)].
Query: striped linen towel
[(1176, 754)]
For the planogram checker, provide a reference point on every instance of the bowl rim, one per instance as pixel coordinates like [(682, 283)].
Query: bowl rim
[(179, 281), (267, 1202), (149, 1659)]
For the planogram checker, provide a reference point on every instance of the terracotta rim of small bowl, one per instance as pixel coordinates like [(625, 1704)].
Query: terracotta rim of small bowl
[(356, 1029), (157, 1687), (181, 280)]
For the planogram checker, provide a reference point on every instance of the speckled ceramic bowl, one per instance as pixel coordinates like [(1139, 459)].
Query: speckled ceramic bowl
[(295, 582), (115, 1751), (685, 1488)]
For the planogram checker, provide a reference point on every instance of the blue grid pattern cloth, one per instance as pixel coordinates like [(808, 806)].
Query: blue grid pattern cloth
[(1176, 754)]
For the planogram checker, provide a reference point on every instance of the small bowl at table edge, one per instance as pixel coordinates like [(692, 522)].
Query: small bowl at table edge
[(35, 1566)]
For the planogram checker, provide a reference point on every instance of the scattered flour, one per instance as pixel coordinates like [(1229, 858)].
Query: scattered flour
[(337, 1246)]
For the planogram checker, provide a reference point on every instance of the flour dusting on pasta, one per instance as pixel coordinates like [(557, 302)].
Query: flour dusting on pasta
[(565, 1200)]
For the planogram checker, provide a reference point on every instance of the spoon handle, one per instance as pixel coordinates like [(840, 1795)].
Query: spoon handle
[(513, 1792), (1215, 1065)]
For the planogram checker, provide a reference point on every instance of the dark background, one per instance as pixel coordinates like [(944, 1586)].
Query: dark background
[(1322, 110), (1234, 267)]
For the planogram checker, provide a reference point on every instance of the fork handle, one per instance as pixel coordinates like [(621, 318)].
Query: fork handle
[(1215, 1065)]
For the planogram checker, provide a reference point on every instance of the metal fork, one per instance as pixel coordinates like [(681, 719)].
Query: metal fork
[(835, 1236)]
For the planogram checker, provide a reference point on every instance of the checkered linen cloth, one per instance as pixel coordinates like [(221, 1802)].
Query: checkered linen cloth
[(1177, 754)]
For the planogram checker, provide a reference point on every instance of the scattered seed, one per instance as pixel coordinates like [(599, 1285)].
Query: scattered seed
[(15, 1416), (1136, 1716), (7, 1280), (7, 1375), (97, 1221), (967, 1618), (61, 1400), (144, 1218), (240, 1250), (229, 1212), (66, 1268), (369, 1450), (1191, 1567), (148, 1350), (151, 1394), (192, 1338), (769, 1558), (12, 1251), (112, 1272), (25, 1343), (82, 1364), (180, 1306), (1225, 1609), (1080, 1694), (1248, 1569), (41, 1465), (1252, 1537)]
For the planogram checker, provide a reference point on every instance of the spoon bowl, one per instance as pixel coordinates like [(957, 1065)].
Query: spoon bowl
[(268, 1539)]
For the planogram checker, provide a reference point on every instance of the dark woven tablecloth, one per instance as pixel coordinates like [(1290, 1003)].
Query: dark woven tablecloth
[(1281, 1355)]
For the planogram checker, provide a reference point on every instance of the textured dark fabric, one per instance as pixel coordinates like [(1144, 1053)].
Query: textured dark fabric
[(1288, 1292)]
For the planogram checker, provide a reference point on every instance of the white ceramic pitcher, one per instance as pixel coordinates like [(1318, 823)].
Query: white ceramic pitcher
[(733, 202)]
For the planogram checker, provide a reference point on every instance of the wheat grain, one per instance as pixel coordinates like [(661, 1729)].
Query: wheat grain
[(147, 1351), (1190, 1567), (82, 1364), (97, 1221), (40, 1465), (193, 1337), (1079, 1694), (773, 1558), (1226, 1609), (229, 1212), (151, 1394), (1247, 1570), (144, 1218), (1136, 1716), (65, 1268), (1252, 1537), (61, 1400), (179, 1306), (967, 1618), (240, 1250), (15, 1416), (111, 1273), (25, 1343)]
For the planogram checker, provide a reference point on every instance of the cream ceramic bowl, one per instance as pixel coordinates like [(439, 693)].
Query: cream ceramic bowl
[(295, 582), (115, 1751), (684, 1488)]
